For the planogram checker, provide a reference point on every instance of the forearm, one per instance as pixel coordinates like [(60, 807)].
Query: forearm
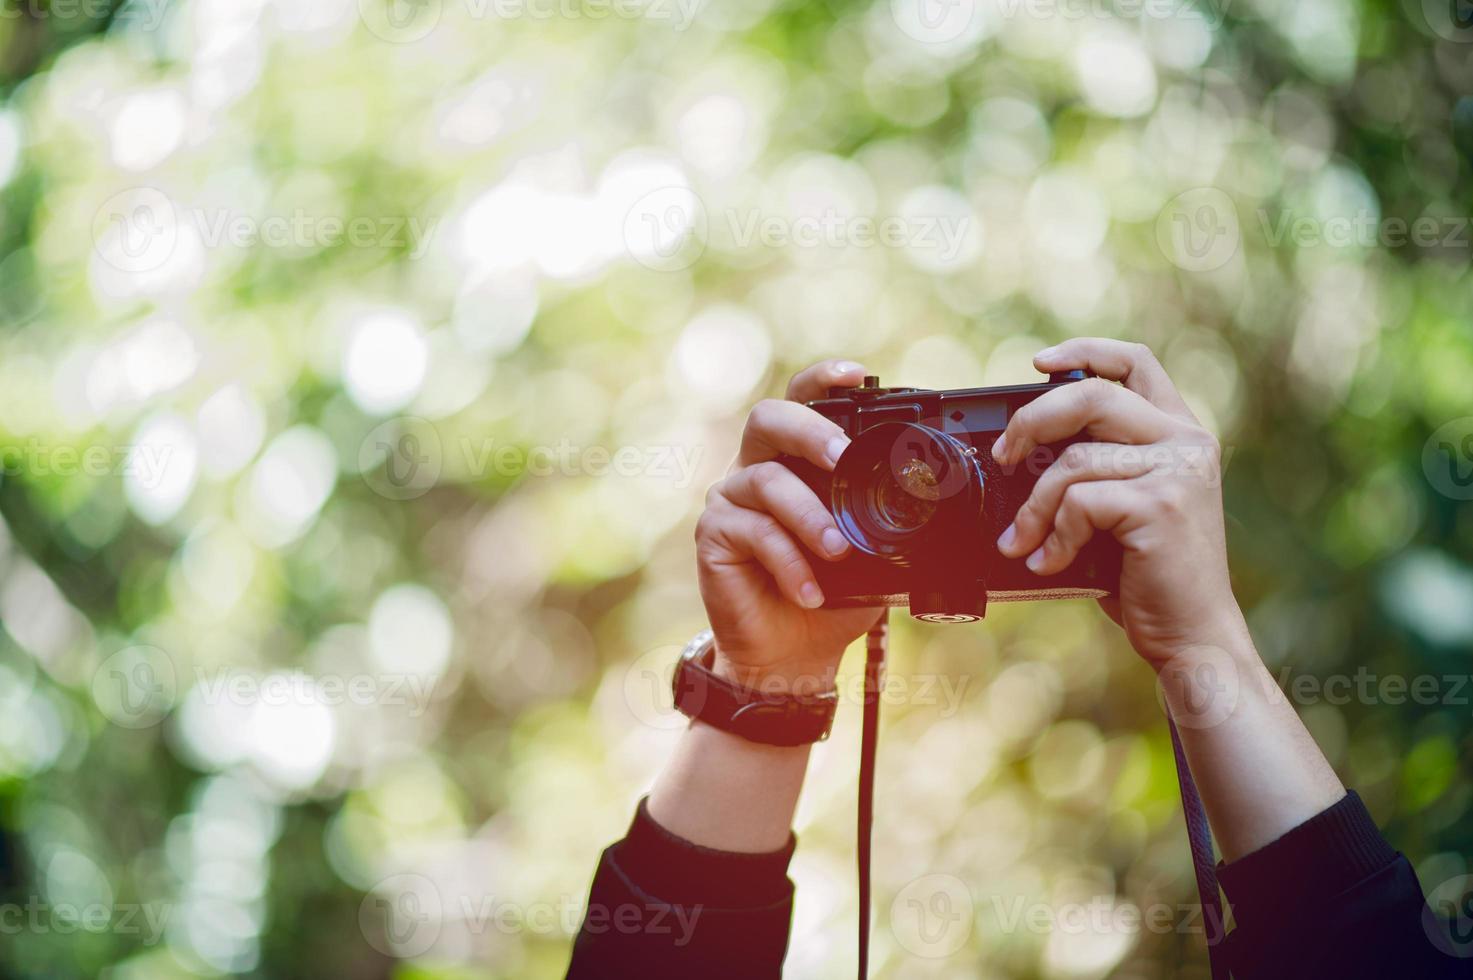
[(1259, 772), (710, 847), (726, 793)]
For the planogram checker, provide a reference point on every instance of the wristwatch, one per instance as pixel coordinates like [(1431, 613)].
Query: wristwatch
[(796, 719)]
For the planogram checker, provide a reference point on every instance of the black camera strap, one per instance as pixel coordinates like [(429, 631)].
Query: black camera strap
[(1199, 832), (874, 666), (1199, 835)]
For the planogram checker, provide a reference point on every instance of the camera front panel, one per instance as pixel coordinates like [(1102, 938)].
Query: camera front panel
[(961, 567)]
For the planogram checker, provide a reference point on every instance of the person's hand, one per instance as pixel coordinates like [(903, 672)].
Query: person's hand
[(758, 587), (1151, 478)]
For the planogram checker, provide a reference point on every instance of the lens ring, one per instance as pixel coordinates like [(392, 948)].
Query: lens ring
[(900, 485), (906, 496)]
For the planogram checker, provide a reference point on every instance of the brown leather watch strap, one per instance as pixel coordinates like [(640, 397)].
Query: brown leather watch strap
[(757, 716)]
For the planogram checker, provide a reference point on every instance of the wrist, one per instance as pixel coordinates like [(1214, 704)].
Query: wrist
[(1214, 633), (788, 677), (724, 792), (1208, 678)]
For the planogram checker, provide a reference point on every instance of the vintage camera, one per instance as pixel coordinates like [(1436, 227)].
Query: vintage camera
[(921, 499)]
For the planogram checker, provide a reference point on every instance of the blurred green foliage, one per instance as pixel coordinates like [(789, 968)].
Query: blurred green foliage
[(342, 568)]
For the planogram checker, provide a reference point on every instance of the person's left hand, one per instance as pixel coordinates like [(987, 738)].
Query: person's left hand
[(1152, 478)]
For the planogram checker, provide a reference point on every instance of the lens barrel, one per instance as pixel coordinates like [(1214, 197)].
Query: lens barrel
[(903, 487)]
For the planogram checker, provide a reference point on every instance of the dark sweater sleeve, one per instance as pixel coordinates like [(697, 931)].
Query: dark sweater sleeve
[(1332, 899), (661, 906)]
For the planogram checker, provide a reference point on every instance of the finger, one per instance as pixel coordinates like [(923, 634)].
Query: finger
[(1133, 365), (815, 381), (778, 428), (774, 489), (1087, 507), (1096, 407), (741, 535), (1082, 462)]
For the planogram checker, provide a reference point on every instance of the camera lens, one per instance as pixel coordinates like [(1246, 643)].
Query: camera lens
[(901, 486), (905, 497)]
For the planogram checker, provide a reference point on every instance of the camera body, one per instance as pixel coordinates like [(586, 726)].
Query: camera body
[(921, 500)]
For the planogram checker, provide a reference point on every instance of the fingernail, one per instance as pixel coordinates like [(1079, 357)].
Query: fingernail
[(834, 543), (835, 449), (1047, 353), (1035, 560), (1005, 542), (847, 367), (1000, 447), (811, 596)]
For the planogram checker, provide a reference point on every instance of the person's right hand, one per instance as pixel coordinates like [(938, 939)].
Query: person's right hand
[(760, 593)]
